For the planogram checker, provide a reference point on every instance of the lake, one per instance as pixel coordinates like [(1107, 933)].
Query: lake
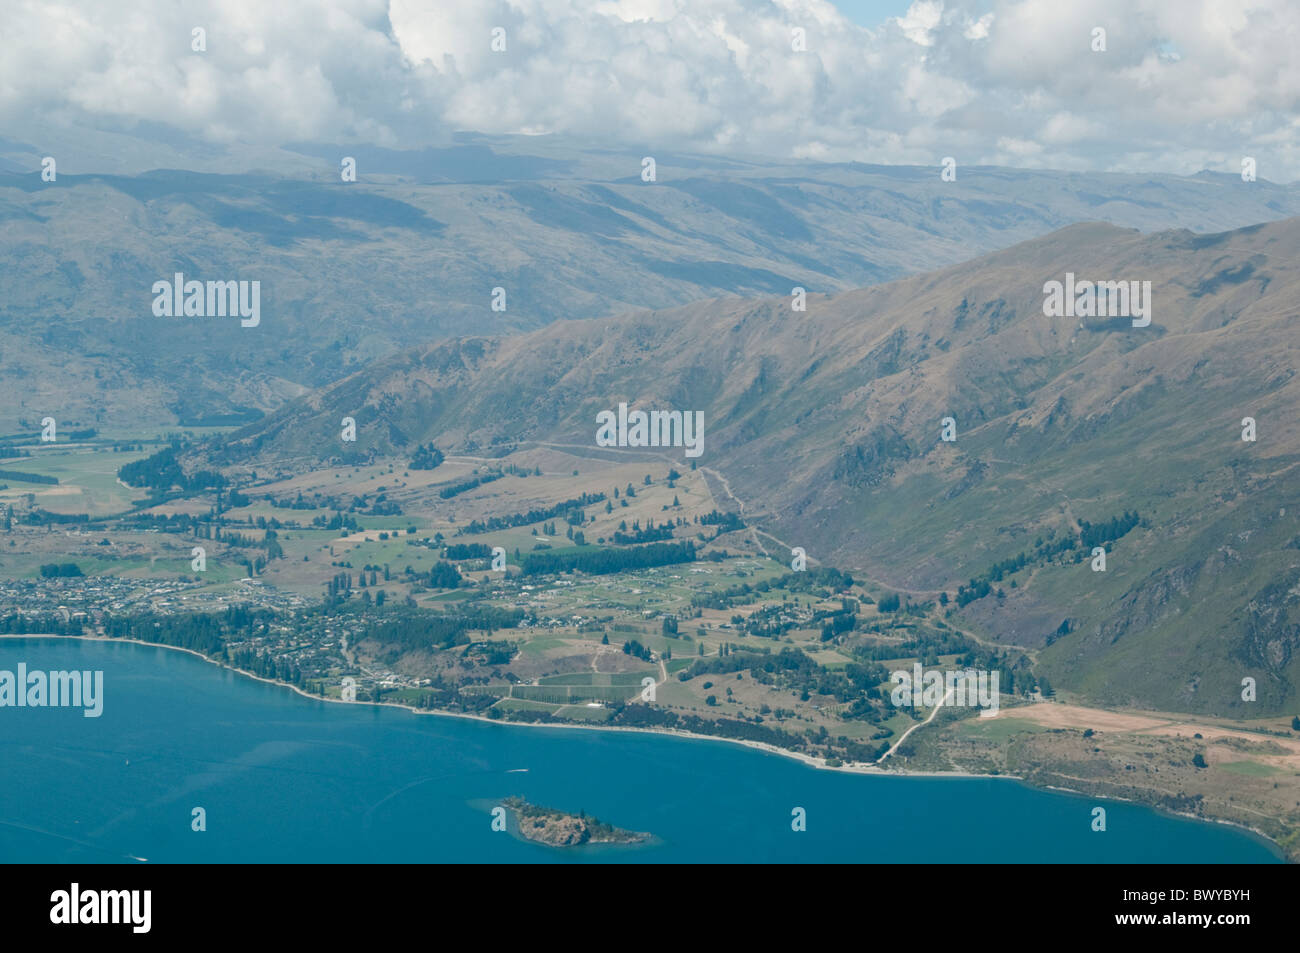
[(284, 778)]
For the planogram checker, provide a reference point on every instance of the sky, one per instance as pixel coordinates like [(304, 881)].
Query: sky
[(870, 13), (1181, 86)]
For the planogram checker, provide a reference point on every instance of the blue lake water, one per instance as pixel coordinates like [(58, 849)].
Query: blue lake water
[(288, 778)]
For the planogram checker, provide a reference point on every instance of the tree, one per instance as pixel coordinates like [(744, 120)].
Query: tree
[(1045, 687), (1198, 761), (426, 458), (443, 576), (1295, 723)]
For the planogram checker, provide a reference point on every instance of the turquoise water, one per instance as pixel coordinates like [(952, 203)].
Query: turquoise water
[(288, 778)]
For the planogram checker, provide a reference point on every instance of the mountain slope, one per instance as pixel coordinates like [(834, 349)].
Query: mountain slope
[(827, 425)]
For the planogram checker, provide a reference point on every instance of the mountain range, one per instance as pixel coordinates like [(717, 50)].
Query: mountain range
[(411, 252)]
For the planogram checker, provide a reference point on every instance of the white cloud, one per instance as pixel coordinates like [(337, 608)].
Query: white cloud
[(921, 19), (1020, 148), (1014, 82), (978, 29)]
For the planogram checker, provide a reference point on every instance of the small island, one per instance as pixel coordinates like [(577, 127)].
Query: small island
[(554, 828)]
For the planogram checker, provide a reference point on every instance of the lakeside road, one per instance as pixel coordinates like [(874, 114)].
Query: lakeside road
[(937, 709)]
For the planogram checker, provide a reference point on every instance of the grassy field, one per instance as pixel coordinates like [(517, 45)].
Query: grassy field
[(87, 478)]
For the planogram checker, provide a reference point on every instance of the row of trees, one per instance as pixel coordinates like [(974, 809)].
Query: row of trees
[(465, 486), (536, 515), (60, 570), (609, 560), (27, 477)]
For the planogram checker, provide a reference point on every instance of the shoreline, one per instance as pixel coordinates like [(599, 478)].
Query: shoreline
[(1272, 842), (856, 767), (869, 770)]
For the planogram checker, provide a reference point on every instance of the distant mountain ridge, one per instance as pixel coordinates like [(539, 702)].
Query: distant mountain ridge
[(351, 272)]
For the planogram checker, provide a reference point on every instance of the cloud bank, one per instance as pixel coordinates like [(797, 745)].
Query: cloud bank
[(1182, 84)]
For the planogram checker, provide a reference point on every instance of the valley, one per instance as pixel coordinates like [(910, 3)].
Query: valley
[(379, 576), (951, 470)]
